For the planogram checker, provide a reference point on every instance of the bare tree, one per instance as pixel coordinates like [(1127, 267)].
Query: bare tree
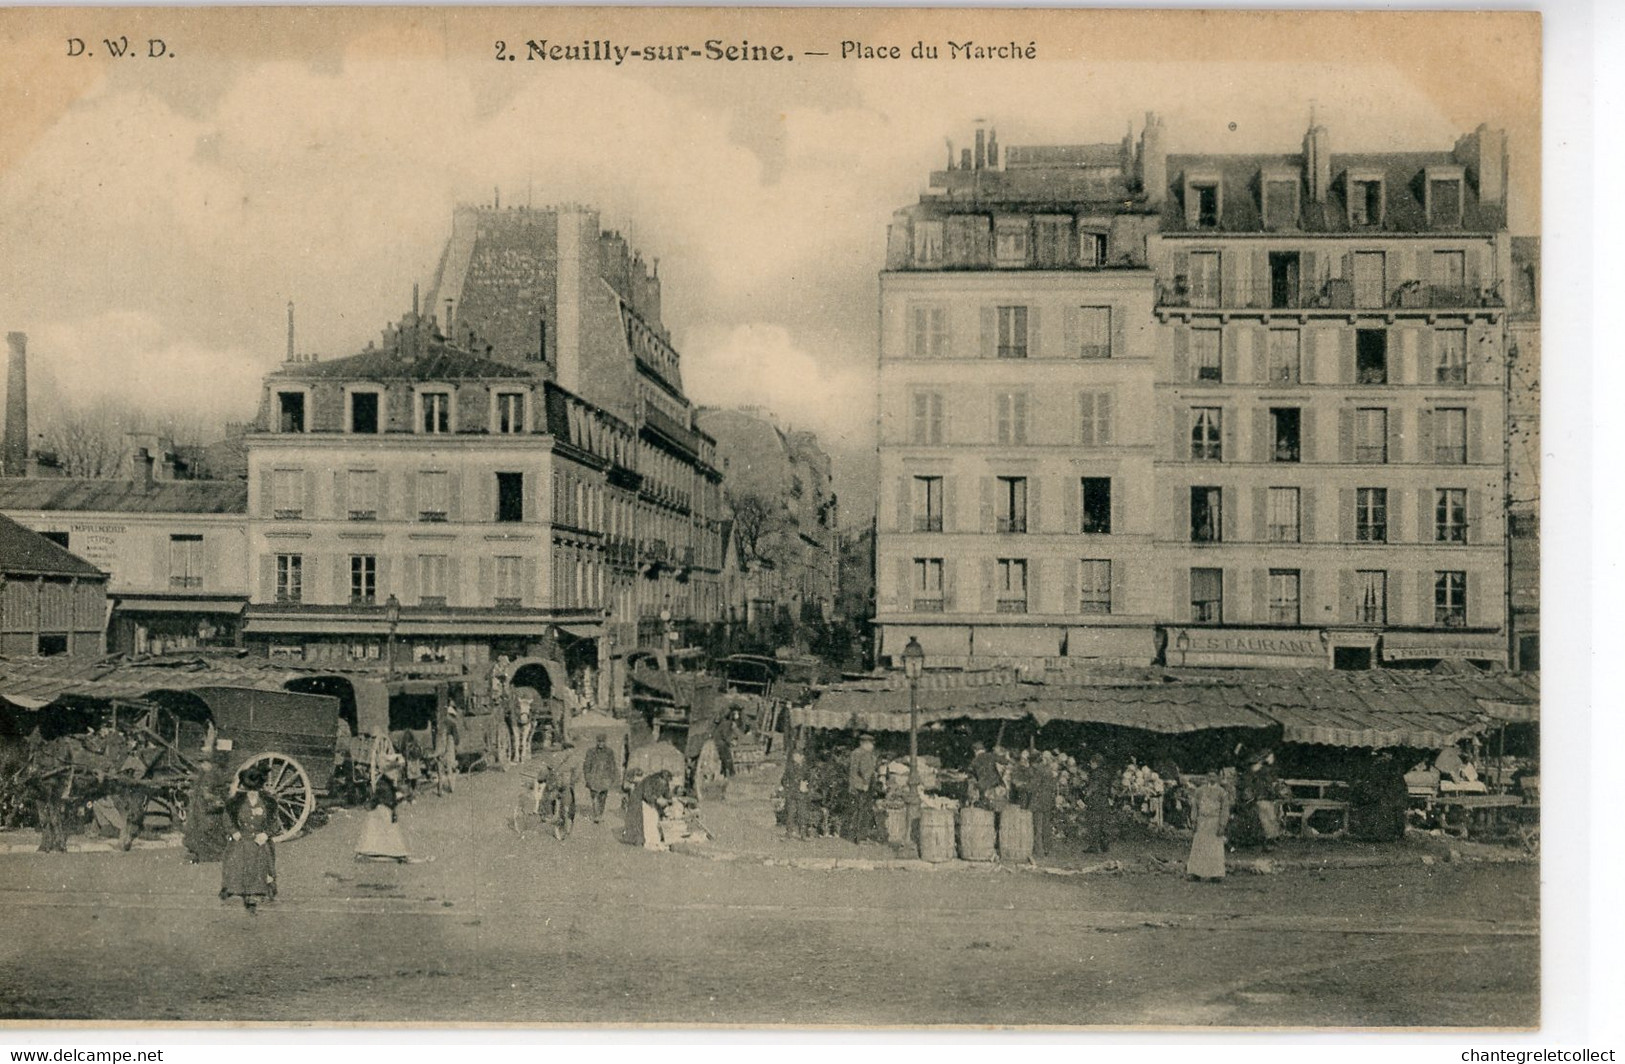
[(760, 522), (88, 441)]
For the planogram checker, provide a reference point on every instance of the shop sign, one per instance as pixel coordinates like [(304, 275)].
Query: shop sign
[(1465, 651), (96, 544), (1245, 647)]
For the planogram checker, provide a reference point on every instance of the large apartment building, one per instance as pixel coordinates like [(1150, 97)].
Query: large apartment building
[(1206, 410)]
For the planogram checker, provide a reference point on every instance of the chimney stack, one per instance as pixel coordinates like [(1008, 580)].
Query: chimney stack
[(1484, 153), (1317, 161), (290, 330), (14, 449), (981, 147), (1153, 161), (141, 467)]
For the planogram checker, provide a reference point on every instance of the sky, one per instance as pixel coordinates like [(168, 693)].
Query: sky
[(158, 214)]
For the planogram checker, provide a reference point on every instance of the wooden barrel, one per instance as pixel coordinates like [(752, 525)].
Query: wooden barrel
[(897, 825), (1015, 834), (936, 834), (976, 834)]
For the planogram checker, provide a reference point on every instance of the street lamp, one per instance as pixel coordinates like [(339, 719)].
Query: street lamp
[(913, 665), (392, 617)]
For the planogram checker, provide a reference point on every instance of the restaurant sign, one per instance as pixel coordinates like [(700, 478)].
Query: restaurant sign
[(1256, 647)]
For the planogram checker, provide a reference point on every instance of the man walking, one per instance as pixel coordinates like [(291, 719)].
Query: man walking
[(602, 774), (860, 777)]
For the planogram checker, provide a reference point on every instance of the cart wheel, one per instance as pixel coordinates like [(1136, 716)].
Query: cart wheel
[(287, 781)]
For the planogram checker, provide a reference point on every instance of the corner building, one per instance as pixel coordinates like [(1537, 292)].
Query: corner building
[(1304, 360)]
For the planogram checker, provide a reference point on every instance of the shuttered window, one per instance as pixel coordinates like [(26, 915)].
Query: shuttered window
[(1207, 596), (1095, 586)]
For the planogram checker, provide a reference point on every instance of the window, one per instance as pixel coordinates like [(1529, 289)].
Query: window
[(926, 504), (1370, 356), (433, 493), (1450, 599), (185, 561), (509, 582), (1204, 278), (510, 496), (927, 242), (1207, 354), (290, 411), (1285, 280), (1371, 596), (1451, 344), (1010, 243), (1285, 359), (363, 579), (1010, 504), (1371, 435), (432, 579), (290, 577), (364, 412), (1444, 201), (929, 332), (1012, 332), (362, 486), (1449, 279), (927, 585), (1284, 424), (1097, 506), (1369, 287), (1012, 585), (1095, 586), (1206, 514), (1450, 515), (925, 425), (1371, 515), (1283, 515), (1365, 202), (50, 646), (1280, 204), (1094, 332), (1091, 249), (1450, 435), (1051, 237), (1095, 428), (436, 410), (1011, 419), (510, 413), (1283, 593), (1205, 438), (1207, 205), (1207, 596), (287, 493)]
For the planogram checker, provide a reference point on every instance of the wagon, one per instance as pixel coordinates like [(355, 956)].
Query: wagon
[(291, 736)]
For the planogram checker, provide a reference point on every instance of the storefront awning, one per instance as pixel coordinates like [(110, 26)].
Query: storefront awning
[(1149, 709), (1444, 646), (157, 605)]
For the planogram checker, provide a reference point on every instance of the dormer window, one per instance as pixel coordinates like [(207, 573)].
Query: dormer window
[(434, 413), (510, 413), (365, 412), (1280, 192), (1444, 196), (1365, 199), (1010, 245), (290, 407), (927, 243), (1203, 201)]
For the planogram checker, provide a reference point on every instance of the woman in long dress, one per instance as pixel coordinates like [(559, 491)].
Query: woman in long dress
[(643, 810), (205, 830), (248, 868), (381, 838), (1211, 807)]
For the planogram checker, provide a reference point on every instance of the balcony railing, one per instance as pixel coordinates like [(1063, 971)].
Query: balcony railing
[(186, 581), (928, 605), (1334, 294), (1012, 605)]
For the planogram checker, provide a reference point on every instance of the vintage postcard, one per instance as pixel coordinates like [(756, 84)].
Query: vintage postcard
[(797, 518)]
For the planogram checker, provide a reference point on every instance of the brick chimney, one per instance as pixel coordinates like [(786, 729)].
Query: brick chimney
[(14, 449)]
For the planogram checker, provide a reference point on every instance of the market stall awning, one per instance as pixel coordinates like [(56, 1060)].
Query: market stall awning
[(1148, 708), (1377, 729)]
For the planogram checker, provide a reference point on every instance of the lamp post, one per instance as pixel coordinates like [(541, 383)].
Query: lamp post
[(392, 617), (913, 665)]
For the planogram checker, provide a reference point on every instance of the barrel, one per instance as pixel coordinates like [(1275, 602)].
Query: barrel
[(936, 834), (976, 834), (1015, 834), (897, 825)]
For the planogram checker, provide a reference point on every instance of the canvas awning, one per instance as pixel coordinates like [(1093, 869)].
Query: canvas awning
[(1149, 708), (158, 605), (1376, 729)]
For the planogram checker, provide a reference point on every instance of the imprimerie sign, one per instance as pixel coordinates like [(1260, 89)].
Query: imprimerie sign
[(1244, 646)]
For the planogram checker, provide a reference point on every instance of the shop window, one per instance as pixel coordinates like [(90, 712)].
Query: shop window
[(1450, 599), (1097, 506), (927, 585), (1095, 586), (1206, 514), (1207, 596)]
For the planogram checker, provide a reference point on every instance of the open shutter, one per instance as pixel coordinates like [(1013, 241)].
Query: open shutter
[(1119, 574), (454, 583), (409, 578), (1261, 595), (409, 498), (1261, 353), (1035, 585), (1228, 370), (385, 568), (1475, 516), (1425, 595), (1346, 611), (1308, 353), (310, 578), (1424, 515), (990, 332), (341, 494), (950, 504), (1116, 488), (1179, 433), (1071, 342), (1424, 437), (1119, 339), (454, 501), (1345, 515), (267, 588), (487, 582), (1345, 357), (1182, 511), (1345, 435), (1182, 354), (1035, 509), (1396, 436), (1228, 519), (1069, 585), (1306, 434), (1035, 333), (385, 501), (1475, 278), (1182, 264), (1475, 434), (341, 579), (1261, 498), (1426, 373), (1261, 281), (1261, 434), (1311, 274), (988, 524), (1396, 598), (265, 481), (950, 585), (1306, 515), (1105, 419), (990, 602), (1230, 416), (310, 508), (1475, 607), (1307, 613), (1181, 605), (903, 504), (529, 568)]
